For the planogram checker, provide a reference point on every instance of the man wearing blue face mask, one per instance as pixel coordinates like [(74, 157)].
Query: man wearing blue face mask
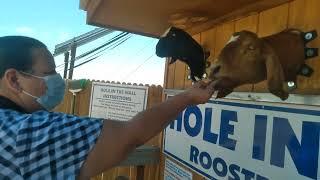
[(38, 144)]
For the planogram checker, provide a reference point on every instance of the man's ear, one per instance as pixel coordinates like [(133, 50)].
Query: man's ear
[(275, 75), (10, 79)]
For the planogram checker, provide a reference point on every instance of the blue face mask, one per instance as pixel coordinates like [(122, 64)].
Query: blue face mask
[(55, 91)]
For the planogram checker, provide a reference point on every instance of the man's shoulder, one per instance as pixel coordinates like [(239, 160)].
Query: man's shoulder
[(43, 119), (10, 113), (12, 117)]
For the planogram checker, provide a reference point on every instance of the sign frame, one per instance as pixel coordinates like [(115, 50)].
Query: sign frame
[(263, 105), (124, 86), (301, 99)]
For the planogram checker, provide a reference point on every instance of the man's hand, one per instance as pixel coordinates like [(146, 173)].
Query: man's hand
[(200, 92)]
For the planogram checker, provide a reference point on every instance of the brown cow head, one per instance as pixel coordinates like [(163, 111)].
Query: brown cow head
[(248, 59)]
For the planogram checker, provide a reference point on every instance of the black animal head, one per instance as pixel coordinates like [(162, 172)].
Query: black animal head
[(177, 44)]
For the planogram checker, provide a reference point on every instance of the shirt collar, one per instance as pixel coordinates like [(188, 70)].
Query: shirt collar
[(6, 103)]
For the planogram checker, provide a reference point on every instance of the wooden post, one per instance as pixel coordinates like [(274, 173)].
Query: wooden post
[(73, 58), (66, 64)]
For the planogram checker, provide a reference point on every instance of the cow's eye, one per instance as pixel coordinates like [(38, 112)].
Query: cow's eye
[(174, 34)]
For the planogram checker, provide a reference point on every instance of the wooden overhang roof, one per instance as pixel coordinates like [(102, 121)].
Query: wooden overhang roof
[(153, 17)]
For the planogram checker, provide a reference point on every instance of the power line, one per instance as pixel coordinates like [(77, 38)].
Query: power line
[(81, 40), (113, 40), (119, 36), (124, 40), (111, 46), (140, 51), (91, 59), (135, 70)]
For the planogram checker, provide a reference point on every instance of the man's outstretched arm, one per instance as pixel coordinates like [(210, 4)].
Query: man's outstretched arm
[(118, 139)]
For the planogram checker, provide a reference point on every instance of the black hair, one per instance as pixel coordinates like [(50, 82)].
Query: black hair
[(16, 53)]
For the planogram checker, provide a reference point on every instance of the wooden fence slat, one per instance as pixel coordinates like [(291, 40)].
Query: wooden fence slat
[(133, 173), (65, 106), (158, 167), (170, 75), (154, 98), (83, 96), (162, 156), (124, 171), (152, 94), (179, 75)]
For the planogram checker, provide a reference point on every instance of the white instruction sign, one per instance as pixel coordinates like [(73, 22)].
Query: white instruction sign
[(117, 101)]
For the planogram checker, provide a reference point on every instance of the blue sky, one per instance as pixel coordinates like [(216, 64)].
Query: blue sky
[(55, 21)]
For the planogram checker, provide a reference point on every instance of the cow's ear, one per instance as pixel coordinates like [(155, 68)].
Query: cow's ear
[(275, 74)]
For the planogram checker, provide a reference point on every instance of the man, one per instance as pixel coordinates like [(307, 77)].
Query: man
[(38, 144)]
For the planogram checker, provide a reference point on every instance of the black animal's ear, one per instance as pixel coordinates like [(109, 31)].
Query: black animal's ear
[(166, 32)]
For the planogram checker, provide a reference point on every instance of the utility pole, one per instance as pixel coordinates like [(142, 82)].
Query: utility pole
[(73, 58), (66, 64)]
